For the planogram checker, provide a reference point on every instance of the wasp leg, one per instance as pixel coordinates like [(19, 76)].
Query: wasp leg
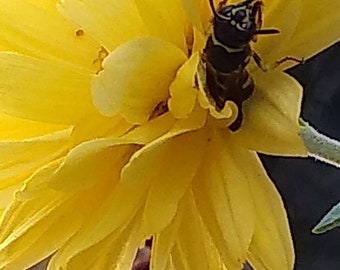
[(259, 61), (289, 58)]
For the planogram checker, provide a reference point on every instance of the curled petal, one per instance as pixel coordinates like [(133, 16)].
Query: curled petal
[(43, 90), (270, 123), (136, 78), (183, 91)]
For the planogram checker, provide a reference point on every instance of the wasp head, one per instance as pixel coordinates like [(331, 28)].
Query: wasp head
[(236, 25)]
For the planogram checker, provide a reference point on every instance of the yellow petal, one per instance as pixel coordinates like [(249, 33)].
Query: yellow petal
[(308, 41), (193, 241), (115, 212), (224, 201), (19, 159), (91, 162), (16, 212), (37, 29), (136, 78), (29, 232), (305, 36), (199, 14), (151, 130), (192, 9), (116, 251), (183, 90), (177, 261), (163, 243), (271, 246), (167, 127), (206, 13), (13, 128), (199, 41), (7, 193), (43, 90), (110, 22), (196, 120), (270, 123), (167, 176), (38, 181), (34, 227), (99, 126), (164, 20), (284, 16)]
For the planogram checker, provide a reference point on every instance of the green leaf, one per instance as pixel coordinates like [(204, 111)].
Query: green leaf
[(330, 221), (319, 145)]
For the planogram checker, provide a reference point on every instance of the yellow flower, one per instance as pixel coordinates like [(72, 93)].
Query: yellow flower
[(99, 152)]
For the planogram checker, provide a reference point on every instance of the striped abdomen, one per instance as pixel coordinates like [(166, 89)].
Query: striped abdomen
[(227, 78)]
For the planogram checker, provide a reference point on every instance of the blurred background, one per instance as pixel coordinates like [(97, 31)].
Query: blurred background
[(310, 188)]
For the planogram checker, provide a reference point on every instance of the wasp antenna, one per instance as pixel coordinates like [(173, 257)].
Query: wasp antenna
[(211, 2), (267, 32)]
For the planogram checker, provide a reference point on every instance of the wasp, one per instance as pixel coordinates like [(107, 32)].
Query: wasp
[(228, 52)]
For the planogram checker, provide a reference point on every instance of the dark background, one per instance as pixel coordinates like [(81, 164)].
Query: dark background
[(308, 187)]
